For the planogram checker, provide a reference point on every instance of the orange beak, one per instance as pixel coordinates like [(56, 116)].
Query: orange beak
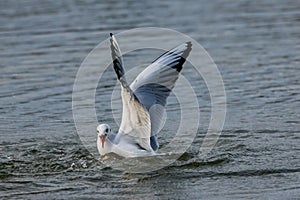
[(102, 139)]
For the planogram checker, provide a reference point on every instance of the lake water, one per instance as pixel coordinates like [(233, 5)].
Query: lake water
[(256, 45)]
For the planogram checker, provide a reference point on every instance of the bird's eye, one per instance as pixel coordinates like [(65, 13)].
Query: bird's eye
[(110, 130), (97, 131), (106, 130)]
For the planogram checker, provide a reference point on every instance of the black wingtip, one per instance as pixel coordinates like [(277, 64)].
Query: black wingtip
[(111, 34), (188, 50), (189, 45)]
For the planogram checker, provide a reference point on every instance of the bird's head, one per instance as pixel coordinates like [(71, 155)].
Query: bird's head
[(103, 131)]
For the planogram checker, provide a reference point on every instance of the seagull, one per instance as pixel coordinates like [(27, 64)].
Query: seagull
[(143, 102)]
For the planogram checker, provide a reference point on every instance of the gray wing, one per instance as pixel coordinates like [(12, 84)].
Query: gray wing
[(135, 124), (153, 85)]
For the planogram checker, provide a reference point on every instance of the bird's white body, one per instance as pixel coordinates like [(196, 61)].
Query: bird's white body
[(122, 146)]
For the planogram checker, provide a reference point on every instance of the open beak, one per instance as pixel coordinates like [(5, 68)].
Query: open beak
[(102, 139)]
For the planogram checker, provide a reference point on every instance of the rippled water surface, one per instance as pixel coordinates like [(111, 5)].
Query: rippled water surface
[(256, 45)]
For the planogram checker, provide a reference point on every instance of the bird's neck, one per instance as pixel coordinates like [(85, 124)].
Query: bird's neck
[(107, 148)]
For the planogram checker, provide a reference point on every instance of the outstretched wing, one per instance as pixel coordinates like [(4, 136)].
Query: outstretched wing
[(153, 85), (136, 122)]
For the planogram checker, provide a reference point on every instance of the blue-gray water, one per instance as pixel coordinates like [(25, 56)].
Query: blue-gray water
[(256, 45)]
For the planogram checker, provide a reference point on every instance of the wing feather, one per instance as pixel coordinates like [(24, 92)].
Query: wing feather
[(135, 123), (144, 100), (153, 85)]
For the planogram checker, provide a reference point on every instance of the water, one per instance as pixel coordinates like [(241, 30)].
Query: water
[(256, 46)]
